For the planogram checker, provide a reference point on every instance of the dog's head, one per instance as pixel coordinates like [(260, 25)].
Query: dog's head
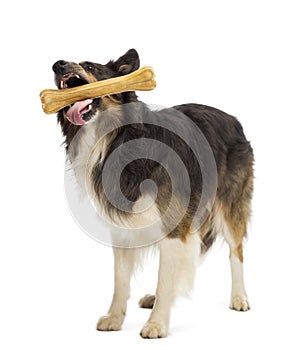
[(70, 74)]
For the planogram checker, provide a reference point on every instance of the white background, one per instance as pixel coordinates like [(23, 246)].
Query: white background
[(56, 281)]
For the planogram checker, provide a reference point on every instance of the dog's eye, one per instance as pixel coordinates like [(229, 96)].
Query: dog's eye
[(91, 68), (88, 66)]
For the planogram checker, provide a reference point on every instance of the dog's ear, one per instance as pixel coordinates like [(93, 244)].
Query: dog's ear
[(127, 63)]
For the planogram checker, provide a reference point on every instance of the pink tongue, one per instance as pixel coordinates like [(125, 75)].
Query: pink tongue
[(74, 114)]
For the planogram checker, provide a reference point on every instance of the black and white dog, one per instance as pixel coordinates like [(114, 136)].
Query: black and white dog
[(97, 129)]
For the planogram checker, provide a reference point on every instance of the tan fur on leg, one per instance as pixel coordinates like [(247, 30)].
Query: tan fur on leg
[(239, 299)]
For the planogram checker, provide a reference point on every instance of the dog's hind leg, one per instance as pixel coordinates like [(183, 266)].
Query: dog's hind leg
[(178, 261), (234, 233), (124, 260), (235, 208), (239, 299), (147, 302)]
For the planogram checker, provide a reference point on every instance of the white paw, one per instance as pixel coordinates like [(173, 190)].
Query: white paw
[(154, 330), (239, 303), (109, 323)]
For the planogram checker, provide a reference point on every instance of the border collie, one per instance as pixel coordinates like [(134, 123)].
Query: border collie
[(120, 149)]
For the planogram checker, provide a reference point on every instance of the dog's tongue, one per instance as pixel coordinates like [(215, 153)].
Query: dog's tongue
[(74, 114)]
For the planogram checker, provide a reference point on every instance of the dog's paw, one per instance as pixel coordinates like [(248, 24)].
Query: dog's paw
[(109, 323), (153, 330), (147, 302), (239, 303)]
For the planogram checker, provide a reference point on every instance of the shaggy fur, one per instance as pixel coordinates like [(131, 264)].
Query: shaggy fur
[(179, 250)]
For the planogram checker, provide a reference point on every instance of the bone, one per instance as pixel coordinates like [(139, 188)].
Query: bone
[(141, 80)]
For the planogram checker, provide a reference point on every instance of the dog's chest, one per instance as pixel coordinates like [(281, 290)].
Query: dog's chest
[(85, 153)]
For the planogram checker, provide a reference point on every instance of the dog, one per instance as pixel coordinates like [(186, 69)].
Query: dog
[(225, 215)]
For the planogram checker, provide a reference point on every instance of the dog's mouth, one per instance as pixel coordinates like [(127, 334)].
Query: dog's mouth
[(81, 112)]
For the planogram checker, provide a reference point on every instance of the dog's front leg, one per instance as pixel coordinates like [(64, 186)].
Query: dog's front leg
[(157, 325), (124, 264), (178, 262)]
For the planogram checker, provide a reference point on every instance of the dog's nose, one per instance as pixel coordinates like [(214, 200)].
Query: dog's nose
[(60, 66)]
